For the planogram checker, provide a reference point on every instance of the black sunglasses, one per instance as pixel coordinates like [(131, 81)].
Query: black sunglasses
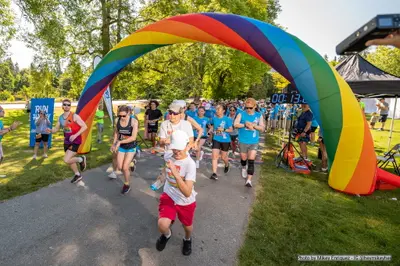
[(66, 104), (232, 110), (173, 113), (121, 116), (249, 108)]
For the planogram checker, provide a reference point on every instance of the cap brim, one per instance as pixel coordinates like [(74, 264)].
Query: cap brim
[(178, 147)]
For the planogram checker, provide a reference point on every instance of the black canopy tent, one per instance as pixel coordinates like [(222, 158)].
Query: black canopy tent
[(370, 81)]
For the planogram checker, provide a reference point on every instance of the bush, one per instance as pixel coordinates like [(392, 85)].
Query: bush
[(6, 96)]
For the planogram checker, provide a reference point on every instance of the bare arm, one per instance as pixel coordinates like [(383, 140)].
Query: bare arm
[(236, 123), (260, 126), (196, 126), (186, 186), (56, 128), (308, 126), (81, 123)]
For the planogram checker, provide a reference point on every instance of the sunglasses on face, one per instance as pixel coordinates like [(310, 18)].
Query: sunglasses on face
[(173, 113), (233, 110), (66, 104), (249, 108), (120, 116)]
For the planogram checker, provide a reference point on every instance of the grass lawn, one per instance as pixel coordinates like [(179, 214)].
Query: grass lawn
[(297, 214), (24, 175)]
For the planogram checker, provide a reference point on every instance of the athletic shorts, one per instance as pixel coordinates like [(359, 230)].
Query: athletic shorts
[(71, 147), (152, 129), (383, 118), (305, 139), (223, 146), (126, 150), (43, 137), (273, 123), (244, 148), (313, 129), (168, 209)]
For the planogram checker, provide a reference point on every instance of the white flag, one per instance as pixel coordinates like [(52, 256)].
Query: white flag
[(107, 93)]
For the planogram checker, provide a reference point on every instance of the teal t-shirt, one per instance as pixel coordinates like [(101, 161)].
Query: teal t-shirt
[(1, 128), (225, 123)]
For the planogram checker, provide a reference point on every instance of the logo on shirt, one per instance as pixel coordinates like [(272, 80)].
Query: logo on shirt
[(171, 178)]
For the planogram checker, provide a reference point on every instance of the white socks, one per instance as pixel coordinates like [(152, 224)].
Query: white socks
[(80, 159), (168, 235)]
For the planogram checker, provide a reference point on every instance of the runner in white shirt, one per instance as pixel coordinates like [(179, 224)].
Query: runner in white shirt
[(179, 197)]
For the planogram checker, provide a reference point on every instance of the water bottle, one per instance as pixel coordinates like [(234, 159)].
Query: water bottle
[(157, 185)]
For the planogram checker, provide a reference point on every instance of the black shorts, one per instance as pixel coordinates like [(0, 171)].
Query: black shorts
[(204, 137), (43, 137), (223, 146), (313, 129), (383, 118), (152, 129), (71, 147)]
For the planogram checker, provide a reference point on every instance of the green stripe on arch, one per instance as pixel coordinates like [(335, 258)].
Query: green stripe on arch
[(128, 51), (331, 114)]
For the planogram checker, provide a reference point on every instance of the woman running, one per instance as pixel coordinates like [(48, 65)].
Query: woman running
[(203, 122), (42, 124), (125, 143), (234, 134), (250, 124)]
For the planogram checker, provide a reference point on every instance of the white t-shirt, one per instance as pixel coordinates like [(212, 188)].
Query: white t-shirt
[(187, 170), (167, 128)]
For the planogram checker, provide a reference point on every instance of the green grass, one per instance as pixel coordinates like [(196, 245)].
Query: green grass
[(297, 214), (24, 175)]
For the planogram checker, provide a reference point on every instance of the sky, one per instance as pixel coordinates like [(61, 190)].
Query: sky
[(322, 24)]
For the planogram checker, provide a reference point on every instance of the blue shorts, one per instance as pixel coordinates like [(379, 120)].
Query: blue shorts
[(126, 150)]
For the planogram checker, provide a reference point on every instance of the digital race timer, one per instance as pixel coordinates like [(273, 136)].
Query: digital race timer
[(293, 98)]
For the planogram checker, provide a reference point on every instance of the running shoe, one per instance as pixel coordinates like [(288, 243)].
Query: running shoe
[(214, 176), (125, 189), (248, 183), (187, 247), (162, 242), (113, 175), (226, 169), (34, 157), (83, 163), (201, 155), (244, 172), (76, 179), (197, 164), (45, 155)]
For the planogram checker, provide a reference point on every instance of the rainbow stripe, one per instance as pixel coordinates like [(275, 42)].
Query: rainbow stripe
[(347, 137)]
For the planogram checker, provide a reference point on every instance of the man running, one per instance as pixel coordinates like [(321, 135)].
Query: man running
[(221, 126), (179, 197), (73, 126), (153, 115), (250, 124)]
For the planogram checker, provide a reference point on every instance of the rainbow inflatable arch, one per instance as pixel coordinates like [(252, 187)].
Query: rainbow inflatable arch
[(352, 160)]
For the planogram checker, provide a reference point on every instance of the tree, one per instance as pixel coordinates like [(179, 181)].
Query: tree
[(386, 58), (7, 29)]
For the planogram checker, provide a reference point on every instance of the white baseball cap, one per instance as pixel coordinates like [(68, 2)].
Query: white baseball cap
[(181, 103), (179, 140), (208, 106)]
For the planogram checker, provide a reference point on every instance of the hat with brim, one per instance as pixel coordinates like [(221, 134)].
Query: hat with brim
[(174, 107), (179, 140)]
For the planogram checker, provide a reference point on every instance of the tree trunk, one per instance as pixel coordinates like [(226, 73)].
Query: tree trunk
[(119, 24), (105, 29)]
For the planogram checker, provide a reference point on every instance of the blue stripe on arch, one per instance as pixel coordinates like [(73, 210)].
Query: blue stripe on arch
[(255, 38), (295, 61), (105, 70)]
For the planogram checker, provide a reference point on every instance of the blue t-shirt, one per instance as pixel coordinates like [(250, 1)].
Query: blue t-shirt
[(192, 114), (247, 136), (263, 110), (303, 119), (1, 128), (209, 113), (290, 113), (224, 122), (274, 112), (203, 122)]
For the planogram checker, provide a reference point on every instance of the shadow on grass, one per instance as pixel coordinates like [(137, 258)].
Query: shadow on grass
[(297, 214)]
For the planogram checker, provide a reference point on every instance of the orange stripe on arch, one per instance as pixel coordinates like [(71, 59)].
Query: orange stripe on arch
[(364, 179), (182, 30), (219, 31)]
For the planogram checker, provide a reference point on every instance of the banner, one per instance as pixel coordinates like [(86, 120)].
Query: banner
[(40, 104), (108, 101)]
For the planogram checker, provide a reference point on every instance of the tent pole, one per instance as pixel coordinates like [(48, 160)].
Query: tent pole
[(392, 123)]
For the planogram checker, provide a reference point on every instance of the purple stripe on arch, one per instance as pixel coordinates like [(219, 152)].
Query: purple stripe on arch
[(256, 39), (92, 91)]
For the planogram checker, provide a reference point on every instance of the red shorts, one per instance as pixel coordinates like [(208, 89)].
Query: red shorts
[(168, 209)]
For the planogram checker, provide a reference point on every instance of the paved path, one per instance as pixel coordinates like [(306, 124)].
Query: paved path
[(66, 224)]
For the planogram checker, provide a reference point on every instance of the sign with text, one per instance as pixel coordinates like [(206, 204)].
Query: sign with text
[(38, 105)]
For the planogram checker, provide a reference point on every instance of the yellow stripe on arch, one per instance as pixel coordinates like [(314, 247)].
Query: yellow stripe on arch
[(351, 138), (151, 37)]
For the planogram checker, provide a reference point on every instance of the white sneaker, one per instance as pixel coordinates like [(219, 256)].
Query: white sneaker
[(221, 165), (34, 157), (201, 156), (197, 164), (244, 172), (248, 183), (45, 155), (113, 175)]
